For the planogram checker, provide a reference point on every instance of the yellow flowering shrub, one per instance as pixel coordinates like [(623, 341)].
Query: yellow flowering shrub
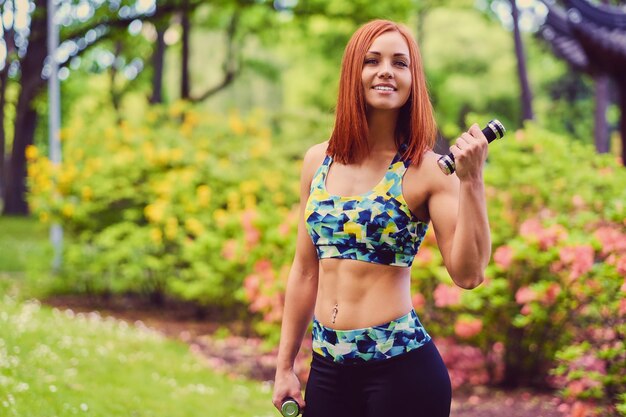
[(179, 204)]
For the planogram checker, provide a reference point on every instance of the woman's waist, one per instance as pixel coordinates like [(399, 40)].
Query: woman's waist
[(371, 310), (348, 317), (382, 341)]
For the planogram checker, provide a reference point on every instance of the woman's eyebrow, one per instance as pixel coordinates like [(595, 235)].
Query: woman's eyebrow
[(396, 54)]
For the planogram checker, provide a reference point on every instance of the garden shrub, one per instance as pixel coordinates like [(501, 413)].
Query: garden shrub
[(180, 203), (554, 298)]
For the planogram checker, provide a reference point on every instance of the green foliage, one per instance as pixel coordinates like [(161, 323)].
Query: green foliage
[(556, 287), (464, 77), (182, 204), (621, 407), (563, 99)]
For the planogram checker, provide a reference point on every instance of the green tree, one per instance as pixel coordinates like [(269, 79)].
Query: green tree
[(464, 79), (25, 63)]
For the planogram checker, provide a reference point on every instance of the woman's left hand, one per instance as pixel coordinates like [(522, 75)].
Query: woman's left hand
[(470, 153)]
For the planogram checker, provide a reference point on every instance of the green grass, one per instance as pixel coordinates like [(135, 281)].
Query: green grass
[(57, 363), (22, 240), (53, 363), (26, 258)]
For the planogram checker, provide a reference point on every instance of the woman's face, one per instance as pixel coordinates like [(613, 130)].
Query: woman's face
[(386, 74)]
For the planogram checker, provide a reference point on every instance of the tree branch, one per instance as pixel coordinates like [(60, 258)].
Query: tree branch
[(119, 22), (229, 77), (232, 70)]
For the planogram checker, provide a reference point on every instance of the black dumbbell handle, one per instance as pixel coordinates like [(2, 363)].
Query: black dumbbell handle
[(494, 130)]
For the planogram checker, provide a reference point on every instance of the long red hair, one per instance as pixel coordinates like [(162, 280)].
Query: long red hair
[(416, 126)]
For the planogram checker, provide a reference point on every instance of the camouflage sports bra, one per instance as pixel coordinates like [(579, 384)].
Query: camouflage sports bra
[(376, 226)]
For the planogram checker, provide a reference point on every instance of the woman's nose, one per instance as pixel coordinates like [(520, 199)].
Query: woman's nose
[(385, 71)]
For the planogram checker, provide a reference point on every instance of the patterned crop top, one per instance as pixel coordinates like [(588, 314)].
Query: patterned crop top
[(376, 226)]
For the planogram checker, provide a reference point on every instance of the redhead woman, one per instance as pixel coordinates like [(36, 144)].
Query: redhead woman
[(368, 195)]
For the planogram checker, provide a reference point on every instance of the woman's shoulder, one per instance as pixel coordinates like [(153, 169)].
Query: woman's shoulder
[(313, 158), (428, 174), (319, 149), (315, 154), (430, 157), (428, 165)]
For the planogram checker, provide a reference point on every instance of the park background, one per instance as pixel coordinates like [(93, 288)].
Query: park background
[(183, 126)]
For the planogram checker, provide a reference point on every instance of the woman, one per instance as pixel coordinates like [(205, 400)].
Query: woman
[(358, 234)]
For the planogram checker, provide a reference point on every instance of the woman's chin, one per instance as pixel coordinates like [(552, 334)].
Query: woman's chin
[(382, 106)]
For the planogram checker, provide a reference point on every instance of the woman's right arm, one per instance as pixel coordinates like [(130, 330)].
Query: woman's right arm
[(301, 291)]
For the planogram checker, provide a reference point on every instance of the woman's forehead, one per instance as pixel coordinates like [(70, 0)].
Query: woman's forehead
[(390, 42)]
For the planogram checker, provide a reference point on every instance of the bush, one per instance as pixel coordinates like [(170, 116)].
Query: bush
[(555, 289), (182, 204)]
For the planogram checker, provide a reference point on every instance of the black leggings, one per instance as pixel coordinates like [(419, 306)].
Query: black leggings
[(413, 384)]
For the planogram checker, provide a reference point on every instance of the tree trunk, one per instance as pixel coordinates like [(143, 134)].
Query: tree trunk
[(9, 39), (26, 116), (513, 366), (186, 27), (621, 84), (158, 58), (3, 89), (601, 126), (116, 96), (25, 123), (527, 109)]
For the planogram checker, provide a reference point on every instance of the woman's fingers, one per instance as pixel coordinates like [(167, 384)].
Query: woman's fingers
[(299, 400), (278, 402), (287, 386), (475, 131), (470, 151)]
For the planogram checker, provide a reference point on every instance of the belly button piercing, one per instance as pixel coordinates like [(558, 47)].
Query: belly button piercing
[(335, 311)]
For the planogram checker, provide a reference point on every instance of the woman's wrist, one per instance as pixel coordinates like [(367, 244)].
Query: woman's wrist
[(283, 368), (474, 181)]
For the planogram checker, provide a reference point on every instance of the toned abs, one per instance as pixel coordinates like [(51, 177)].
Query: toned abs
[(364, 294)]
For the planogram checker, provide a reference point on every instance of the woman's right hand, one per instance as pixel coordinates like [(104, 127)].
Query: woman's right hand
[(286, 384)]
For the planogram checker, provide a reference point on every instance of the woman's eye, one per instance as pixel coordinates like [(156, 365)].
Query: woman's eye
[(375, 61)]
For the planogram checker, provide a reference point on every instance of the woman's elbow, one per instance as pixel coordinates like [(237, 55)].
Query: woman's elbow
[(469, 282), (304, 271)]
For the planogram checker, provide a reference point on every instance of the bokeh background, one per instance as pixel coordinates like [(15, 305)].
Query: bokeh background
[(183, 124)]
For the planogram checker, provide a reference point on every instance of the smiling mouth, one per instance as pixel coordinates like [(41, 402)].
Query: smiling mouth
[(384, 88)]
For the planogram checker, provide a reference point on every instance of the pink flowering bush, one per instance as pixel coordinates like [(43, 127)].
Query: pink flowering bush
[(466, 364), (552, 308), (573, 313)]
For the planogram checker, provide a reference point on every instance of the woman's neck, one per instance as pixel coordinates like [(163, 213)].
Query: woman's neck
[(382, 129)]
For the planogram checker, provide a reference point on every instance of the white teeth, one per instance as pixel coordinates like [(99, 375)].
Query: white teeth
[(382, 88)]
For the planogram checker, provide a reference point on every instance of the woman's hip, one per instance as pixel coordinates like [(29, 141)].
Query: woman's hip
[(376, 343)]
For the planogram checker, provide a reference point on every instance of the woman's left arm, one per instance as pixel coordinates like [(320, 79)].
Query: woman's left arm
[(458, 211)]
